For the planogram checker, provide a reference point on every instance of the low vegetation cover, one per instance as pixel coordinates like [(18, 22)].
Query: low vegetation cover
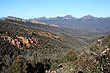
[(31, 43), (25, 49), (94, 59), (73, 38)]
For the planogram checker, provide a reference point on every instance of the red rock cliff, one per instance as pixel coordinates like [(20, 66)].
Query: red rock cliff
[(17, 19)]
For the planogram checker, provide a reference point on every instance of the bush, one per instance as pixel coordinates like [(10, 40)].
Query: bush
[(109, 45), (18, 66), (71, 55)]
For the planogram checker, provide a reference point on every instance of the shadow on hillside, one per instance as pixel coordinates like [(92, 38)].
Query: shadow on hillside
[(39, 68)]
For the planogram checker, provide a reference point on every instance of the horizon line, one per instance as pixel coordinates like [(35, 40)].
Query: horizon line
[(55, 16)]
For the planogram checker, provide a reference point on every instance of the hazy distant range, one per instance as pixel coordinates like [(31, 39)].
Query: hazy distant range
[(87, 22)]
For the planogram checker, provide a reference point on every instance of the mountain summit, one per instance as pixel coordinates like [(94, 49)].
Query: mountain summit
[(88, 17), (69, 17), (42, 18)]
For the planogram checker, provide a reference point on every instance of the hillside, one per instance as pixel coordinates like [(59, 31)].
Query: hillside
[(94, 59), (25, 49), (28, 43), (83, 38), (37, 47)]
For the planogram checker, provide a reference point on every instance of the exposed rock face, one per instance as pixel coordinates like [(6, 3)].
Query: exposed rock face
[(54, 25), (30, 40), (36, 40), (37, 22), (46, 34), (17, 19), (99, 40), (9, 39), (20, 41), (13, 41), (32, 21), (24, 40), (17, 43)]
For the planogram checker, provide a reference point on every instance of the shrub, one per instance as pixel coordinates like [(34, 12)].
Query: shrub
[(71, 55), (18, 66)]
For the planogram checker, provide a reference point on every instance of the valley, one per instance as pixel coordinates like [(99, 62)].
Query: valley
[(35, 46)]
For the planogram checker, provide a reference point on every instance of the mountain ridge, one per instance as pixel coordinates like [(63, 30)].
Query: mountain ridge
[(68, 17), (32, 21), (28, 47), (63, 17), (85, 23), (76, 36)]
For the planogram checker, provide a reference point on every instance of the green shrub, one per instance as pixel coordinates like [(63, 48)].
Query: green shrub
[(71, 55), (18, 66)]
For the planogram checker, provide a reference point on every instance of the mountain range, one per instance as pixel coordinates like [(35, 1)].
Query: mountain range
[(72, 37), (69, 17), (87, 22), (33, 46)]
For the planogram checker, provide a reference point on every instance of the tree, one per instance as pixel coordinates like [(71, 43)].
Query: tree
[(18, 66), (71, 55)]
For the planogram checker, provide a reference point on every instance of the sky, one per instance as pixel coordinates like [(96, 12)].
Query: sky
[(52, 8)]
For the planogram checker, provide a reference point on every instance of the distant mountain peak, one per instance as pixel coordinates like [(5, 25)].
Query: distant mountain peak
[(69, 17), (107, 17), (87, 17), (42, 18), (3, 18)]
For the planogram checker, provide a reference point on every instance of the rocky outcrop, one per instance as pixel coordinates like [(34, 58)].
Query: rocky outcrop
[(20, 41), (30, 40), (37, 22), (32, 21), (24, 40), (54, 25), (17, 19), (46, 34), (99, 40), (13, 41), (108, 49)]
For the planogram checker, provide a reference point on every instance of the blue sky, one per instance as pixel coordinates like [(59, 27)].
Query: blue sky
[(52, 8)]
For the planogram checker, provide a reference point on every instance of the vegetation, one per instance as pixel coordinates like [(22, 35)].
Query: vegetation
[(71, 55), (95, 59), (31, 43), (73, 38), (25, 49)]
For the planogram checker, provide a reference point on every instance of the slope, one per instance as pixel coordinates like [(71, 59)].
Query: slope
[(35, 39), (83, 37), (94, 59)]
